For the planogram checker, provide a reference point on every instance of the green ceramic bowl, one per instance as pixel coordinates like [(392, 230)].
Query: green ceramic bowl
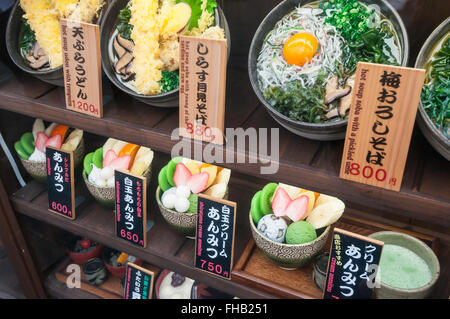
[(37, 169), (105, 195), (289, 256), (423, 251), (183, 223)]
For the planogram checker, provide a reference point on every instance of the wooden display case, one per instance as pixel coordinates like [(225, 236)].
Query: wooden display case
[(422, 205)]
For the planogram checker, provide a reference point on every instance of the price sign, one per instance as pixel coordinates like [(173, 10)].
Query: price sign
[(214, 243), (82, 67), (60, 182), (203, 64), (138, 282), (352, 266), (384, 106), (131, 208)]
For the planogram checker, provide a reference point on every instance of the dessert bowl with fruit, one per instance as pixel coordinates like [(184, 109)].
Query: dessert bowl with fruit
[(80, 250), (290, 225), (180, 182), (31, 146), (99, 166), (116, 261)]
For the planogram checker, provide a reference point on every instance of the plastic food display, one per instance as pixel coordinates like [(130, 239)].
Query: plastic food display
[(304, 54), (143, 60), (290, 225), (179, 182), (33, 34), (31, 146), (99, 166)]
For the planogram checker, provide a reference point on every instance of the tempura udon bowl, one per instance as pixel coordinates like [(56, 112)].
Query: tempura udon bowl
[(108, 32), (328, 130)]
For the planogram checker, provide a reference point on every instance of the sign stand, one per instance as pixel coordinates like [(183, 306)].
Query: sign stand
[(131, 208), (60, 182), (203, 67), (138, 282), (214, 241), (384, 105), (352, 266)]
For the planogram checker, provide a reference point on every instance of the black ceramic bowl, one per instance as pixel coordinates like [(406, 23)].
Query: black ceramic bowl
[(107, 30), (14, 32), (320, 131), (434, 136)]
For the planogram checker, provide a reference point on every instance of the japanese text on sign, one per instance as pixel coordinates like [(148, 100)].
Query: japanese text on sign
[(139, 282), (81, 65), (202, 88), (381, 119), (352, 266), (60, 182), (215, 235), (130, 208)]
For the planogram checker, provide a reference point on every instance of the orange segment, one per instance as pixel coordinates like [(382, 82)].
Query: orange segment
[(211, 170), (61, 130), (131, 150), (123, 257)]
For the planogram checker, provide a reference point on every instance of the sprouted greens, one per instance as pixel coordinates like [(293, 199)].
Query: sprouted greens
[(347, 31)]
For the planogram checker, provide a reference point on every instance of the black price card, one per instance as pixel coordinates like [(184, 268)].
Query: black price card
[(215, 235), (131, 208), (352, 266), (60, 182), (138, 282)]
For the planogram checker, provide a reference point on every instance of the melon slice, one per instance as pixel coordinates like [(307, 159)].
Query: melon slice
[(50, 128), (72, 141), (223, 177), (109, 145), (217, 190), (142, 162), (38, 126)]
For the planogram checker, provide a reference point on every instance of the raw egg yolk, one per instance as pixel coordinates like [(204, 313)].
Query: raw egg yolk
[(300, 48)]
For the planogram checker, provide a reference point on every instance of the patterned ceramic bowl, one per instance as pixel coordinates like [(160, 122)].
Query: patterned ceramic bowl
[(183, 223), (289, 256), (105, 195), (37, 169)]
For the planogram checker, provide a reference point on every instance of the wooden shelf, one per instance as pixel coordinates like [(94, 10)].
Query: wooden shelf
[(166, 248), (425, 192)]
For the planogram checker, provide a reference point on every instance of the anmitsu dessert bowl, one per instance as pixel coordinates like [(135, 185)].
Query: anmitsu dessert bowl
[(141, 58), (180, 182), (290, 225), (80, 250), (116, 261), (31, 146), (303, 57), (99, 166), (408, 268)]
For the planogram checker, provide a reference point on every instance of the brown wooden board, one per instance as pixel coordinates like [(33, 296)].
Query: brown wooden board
[(110, 289), (82, 67), (203, 68), (253, 268), (380, 124)]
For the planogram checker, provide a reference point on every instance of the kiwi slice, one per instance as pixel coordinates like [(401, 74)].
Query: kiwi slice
[(87, 163), (265, 203), (20, 150), (27, 141), (193, 198), (162, 179), (97, 159), (171, 167), (255, 209)]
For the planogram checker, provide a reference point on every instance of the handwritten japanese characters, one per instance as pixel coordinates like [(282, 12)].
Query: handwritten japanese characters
[(202, 88), (81, 65), (138, 282), (131, 208), (60, 181), (352, 266), (382, 114), (215, 235)]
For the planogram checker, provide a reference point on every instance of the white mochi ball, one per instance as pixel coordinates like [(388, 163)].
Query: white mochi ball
[(183, 191), (171, 190), (168, 200), (94, 175), (182, 204), (110, 182), (100, 182), (107, 172)]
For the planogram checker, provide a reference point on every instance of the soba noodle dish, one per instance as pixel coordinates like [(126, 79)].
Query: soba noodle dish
[(307, 62)]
